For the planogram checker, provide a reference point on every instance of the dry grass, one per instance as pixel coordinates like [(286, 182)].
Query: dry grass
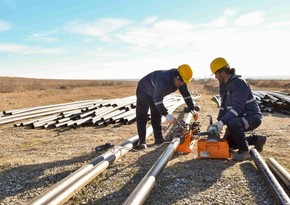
[(39, 158), (281, 85), (23, 92), (13, 84)]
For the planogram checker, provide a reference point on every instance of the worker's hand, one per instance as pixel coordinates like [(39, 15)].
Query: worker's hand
[(197, 108), (218, 126), (195, 115), (170, 119), (195, 112)]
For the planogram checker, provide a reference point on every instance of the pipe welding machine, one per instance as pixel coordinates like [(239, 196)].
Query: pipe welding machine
[(209, 143)]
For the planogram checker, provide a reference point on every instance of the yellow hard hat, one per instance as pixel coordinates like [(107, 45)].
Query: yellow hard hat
[(185, 72), (217, 64)]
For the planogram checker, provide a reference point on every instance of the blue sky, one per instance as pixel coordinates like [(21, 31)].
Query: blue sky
[(126, 39)]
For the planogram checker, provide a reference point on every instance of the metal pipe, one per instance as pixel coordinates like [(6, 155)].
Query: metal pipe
[(69, 123), (49, 124), (17, 111), (82, 121), (274, 186), (32, 114), (113, 114), (16, 118), (128, 113), (63, 191), (129, 119), (71, 117), (63, 123), (280, 171), (45, 197), (100, 113), (71, 112), (140, 193), (44, 124), (85, 114), (94, 107), (29, 123), (35, 111)]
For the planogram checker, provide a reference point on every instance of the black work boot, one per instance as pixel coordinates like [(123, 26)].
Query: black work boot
[(160, 140), (142, 146), (260, 142), (241, 156)]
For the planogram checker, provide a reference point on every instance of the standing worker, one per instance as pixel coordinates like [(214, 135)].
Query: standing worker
[(151, 90), (239, 110)]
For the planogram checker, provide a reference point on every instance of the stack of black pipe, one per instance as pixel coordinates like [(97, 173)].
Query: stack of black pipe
[(269, 101)]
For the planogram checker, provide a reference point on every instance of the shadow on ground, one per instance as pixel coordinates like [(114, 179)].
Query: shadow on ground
[(15, 180)]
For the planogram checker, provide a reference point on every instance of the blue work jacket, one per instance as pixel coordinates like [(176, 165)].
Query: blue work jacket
[(160, 83), (237, 100)]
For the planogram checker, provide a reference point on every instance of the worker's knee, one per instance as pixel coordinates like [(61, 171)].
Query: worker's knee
[(235, 123), (254, 123)]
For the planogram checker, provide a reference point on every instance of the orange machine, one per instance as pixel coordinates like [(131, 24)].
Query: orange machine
[(186, 145), (213, 149), (185, 132), (210, 147)]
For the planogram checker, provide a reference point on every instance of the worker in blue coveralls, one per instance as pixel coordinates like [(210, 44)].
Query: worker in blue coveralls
[(151, 90), (239, 110)]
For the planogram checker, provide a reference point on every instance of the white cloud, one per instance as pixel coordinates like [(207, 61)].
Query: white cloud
[(100, 28), (4, 26), (171, 25), (41, 37), (281, 24), (150, 34), (150, 20), (160, 35), (132, 49), (26, 50), (223, 20), (229, 12), (167, 43), (219, 22), (101, 52), (251, 19)]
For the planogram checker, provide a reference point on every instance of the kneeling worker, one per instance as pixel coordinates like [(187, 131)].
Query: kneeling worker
[(151, 90), (239, 110)]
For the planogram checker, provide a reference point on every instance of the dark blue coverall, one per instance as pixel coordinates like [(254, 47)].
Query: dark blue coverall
[(150, 92), (239, 111)]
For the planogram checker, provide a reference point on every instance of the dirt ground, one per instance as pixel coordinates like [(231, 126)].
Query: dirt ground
[(32, 160)]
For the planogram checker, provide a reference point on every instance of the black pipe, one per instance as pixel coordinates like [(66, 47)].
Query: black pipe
[(279, 171), (274, 186)]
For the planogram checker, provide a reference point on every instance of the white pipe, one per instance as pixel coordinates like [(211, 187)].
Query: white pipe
[(63, 191)]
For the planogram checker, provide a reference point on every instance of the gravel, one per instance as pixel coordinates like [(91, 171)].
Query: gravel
[(185, 180), (28, 171)]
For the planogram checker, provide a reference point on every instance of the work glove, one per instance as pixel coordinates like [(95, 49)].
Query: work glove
[(216, 128), (170, 119), (197, 108), (195, 111), (195, 115)]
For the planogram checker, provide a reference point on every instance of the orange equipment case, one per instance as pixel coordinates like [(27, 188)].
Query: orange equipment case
[(216, 150)]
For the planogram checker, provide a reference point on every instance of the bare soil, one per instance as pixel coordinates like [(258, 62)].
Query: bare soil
[(32, 160)]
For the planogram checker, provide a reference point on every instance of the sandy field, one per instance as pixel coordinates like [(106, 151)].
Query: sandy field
[(33, 160)]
